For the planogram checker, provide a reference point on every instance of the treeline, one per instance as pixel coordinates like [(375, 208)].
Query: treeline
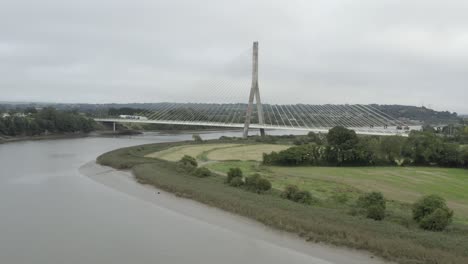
[(342, 147), (125, 111), (418, 113), (47, 120)]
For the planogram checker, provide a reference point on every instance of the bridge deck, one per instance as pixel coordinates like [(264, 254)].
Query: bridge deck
[(359, 130)]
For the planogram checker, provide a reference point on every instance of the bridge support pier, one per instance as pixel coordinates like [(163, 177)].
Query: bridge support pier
[(254, 94), (113, 126)]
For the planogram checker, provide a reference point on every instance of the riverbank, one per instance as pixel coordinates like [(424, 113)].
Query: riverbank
[(388, 240), (4, 140), (124, 182), (98, 133)]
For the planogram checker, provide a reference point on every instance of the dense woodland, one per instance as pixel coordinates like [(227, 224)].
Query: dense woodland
[(31, 122), (342, 147)]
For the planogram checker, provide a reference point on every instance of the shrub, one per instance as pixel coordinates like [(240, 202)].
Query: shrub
[(257, 184), (373, 204), (236, 182), (376, 212), (187, 163), (289, 192), (340, 198), (437, 221), (263, 185), (252, 180), (189, 160), (432, 213), (233, 173), (292, 192), (369, 199), (302, 197), (202, 172)]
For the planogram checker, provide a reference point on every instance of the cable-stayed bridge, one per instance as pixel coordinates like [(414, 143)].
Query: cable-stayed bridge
[(364, 119)]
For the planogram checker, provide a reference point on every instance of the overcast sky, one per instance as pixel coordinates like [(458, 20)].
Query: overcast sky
[(349, 51)]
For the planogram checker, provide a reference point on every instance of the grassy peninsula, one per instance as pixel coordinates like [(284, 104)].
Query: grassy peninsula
[(328, 219)]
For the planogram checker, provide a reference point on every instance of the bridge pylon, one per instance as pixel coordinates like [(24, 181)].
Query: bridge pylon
[(254, 94)]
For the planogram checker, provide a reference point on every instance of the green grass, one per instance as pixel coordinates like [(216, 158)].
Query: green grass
[(219, 152), (402, 184), (389, 239), (244, 152), (176, 153)]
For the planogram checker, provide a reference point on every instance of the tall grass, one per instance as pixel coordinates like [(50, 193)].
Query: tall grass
[(407, 245)]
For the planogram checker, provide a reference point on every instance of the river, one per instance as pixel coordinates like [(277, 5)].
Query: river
[(58, 206)]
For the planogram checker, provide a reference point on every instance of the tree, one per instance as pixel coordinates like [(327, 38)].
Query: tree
[(197, 138), (341, 142), (30, 110), (464, 157), (449, 156), (342, 137), (423, 148), (391, 147)]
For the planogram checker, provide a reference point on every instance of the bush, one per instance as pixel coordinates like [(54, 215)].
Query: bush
[(373, 204), (437, 221), (369, 199), (233, 173), (302, 197), (292, 192), (187, 163), (189, 160), (341, 198), (236, 182), (431, 213), (252, 180), (376, 212), (263, 185), (202, 172), (289, 192), (257, 184)]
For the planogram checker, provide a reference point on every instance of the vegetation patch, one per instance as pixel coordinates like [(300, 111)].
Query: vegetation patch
[(244, 152), (176, 153), (401, 240)]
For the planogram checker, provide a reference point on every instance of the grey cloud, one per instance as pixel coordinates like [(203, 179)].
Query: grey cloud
[(402, 52)]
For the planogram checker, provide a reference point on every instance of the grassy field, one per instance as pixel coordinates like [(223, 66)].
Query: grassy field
[(218, 152), (176, 153), (393, 239), (244, 152), (396, 183)]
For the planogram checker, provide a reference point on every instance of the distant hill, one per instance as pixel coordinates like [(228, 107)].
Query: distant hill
[(403, 112), (422, 113)]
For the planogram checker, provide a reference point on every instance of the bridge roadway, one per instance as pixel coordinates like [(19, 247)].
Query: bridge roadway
[(359, 130)]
